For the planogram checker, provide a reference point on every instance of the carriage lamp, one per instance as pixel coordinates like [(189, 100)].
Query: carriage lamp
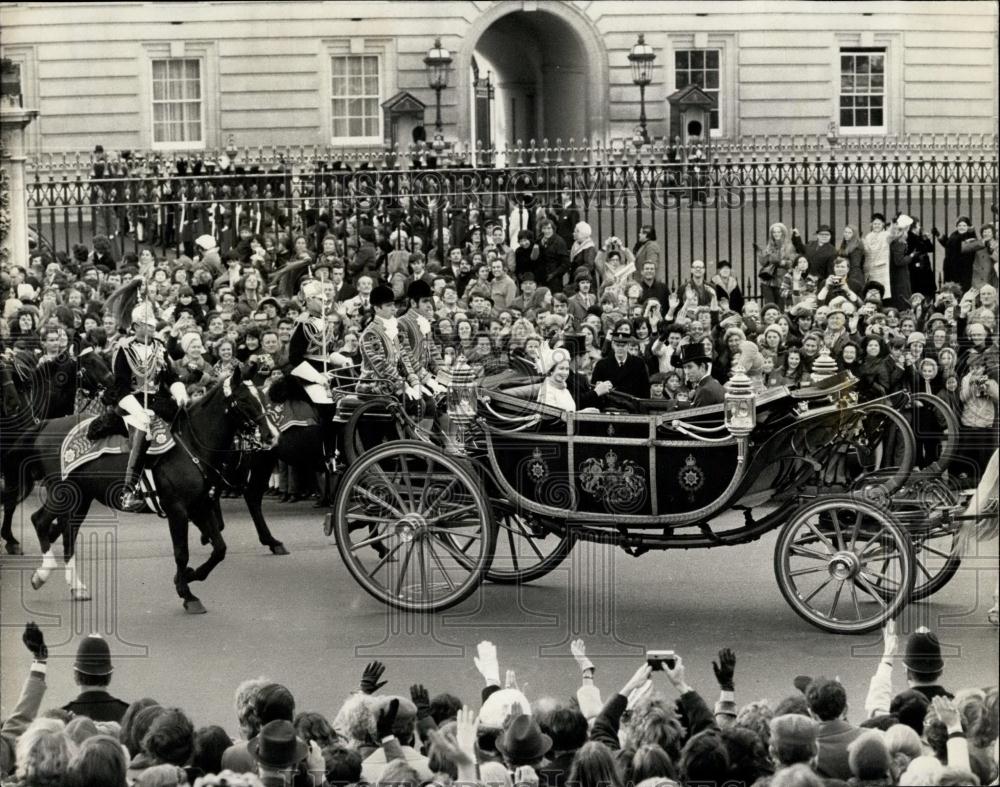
[(741, 404), (461, 402), (824, 366)]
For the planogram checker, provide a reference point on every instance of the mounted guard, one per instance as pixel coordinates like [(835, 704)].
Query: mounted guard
[(145, 385)]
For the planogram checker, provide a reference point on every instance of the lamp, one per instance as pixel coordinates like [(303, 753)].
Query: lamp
[(741, 404), (438, 64), (641, 56)]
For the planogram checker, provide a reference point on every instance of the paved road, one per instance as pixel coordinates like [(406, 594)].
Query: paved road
[(301, 620)]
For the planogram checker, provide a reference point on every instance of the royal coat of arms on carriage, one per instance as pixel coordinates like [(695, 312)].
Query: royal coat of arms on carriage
[(538, 468), (618, 483), (691, 477)]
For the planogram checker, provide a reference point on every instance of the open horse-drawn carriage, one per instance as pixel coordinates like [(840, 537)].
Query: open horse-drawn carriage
[(865, 516)]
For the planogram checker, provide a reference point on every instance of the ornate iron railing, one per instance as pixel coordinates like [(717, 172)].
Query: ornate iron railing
[(715, 206)]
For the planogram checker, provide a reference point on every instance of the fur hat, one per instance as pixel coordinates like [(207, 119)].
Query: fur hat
[(381, 295)]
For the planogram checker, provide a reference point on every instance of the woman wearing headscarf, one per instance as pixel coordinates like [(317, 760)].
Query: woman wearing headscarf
[(583, 253), (959, 252), (752, 361), (873, 374)]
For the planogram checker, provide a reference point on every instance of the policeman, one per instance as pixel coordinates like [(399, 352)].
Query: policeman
[(145, 384)]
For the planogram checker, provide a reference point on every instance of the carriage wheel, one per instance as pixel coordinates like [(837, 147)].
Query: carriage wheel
[(879, 457), (829, 557), (414, 526), (922, 507), (526, 549), (931, 413), (373, 423)]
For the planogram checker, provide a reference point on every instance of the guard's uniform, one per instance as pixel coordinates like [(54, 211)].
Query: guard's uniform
[(310, 345), (143, 370), (386, 368), (416, 340)]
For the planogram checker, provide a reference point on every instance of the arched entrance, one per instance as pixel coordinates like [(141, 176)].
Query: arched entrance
[(549, 69)]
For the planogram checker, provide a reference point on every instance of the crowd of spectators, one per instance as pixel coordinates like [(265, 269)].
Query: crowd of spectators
[(507, 292), (654, 732)]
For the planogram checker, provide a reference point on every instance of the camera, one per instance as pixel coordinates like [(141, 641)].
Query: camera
[(656, 659)]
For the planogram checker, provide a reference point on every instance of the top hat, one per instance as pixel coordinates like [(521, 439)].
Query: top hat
[(277, 746), (93, 656), (574, 344), (523, 741), (692, 352)]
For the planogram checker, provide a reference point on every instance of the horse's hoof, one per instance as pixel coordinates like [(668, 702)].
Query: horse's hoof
[(36, 580), (279, 549), (13, 548), (194, 607), (81, 594)]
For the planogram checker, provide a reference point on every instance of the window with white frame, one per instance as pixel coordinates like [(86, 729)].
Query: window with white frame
[(862, 90), (178, 113), (701, 67), (356, 91)]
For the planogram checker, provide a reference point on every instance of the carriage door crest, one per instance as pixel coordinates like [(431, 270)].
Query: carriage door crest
[(620, 484)]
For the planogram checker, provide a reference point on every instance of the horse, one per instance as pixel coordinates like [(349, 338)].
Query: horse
[(34, 392), (186, 478)]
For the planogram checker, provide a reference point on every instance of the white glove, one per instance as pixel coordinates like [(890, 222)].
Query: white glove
[(579, 652), (180, 394), (486, 662), (435, 386), (412, 392)]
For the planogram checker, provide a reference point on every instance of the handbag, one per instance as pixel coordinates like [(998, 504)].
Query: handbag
[(767, 272)]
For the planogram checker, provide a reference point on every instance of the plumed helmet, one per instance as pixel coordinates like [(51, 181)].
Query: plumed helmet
[(144, 314), (312, 289)]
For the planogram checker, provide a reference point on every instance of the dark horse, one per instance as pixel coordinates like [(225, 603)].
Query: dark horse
[(186, 477), (34, 392)]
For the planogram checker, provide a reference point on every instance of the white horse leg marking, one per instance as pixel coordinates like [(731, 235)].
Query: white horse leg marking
[(77, 589)]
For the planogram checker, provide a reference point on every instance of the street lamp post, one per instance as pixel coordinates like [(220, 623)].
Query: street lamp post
[(641, 56), (438, 63)]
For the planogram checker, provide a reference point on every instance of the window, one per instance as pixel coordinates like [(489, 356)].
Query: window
[(356, 92), (700, 67), (862, 90), (177, 103)]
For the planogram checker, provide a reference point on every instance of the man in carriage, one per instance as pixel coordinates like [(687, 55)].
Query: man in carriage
[(415, 334), (697, 368)]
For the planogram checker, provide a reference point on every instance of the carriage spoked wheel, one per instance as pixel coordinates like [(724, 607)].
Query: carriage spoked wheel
[(879, 454), (430, 519), (526, 548), (844, 564), (925, 507)]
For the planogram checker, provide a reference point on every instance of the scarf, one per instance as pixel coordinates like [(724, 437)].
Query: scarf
[(579, 246), (424, 324)]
